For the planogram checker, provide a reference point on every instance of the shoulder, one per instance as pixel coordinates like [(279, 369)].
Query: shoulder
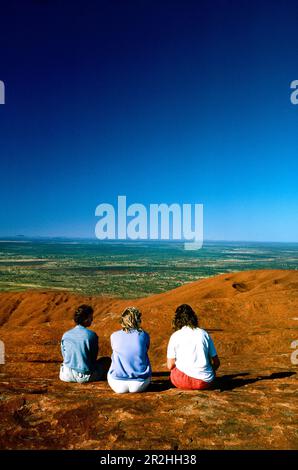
[(204, 334), (68, 333), (176, 335), (188, 334), (141, 334), (145, 337), (90, 334), (145, 334), (117, 334)]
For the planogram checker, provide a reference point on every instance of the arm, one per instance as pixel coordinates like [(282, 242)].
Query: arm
[(171, 363), (171, 353), (62, 348), (215, 362), (94, 348), (214, 359)]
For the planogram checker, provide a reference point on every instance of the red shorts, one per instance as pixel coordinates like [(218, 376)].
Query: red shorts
[(181, 380)]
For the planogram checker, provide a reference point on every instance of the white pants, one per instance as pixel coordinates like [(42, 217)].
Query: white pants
[(125, 386), (100, 372), (70, 375)]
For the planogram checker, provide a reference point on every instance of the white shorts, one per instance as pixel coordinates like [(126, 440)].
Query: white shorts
[(128, 386)]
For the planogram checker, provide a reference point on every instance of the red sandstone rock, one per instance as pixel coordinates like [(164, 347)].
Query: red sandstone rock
[(251, 317)]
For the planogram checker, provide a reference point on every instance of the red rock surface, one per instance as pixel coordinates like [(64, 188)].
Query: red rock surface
[(252, 317)]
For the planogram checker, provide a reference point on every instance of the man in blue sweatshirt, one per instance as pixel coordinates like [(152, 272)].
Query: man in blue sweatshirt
[(79, 347)]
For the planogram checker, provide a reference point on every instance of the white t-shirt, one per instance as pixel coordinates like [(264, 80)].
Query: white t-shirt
[(192, 349)]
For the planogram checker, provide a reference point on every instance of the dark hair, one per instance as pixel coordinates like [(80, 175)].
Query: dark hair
[(184, 316), (82, 313)]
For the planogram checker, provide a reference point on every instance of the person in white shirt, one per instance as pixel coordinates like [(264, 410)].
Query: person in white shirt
[(191, 354)]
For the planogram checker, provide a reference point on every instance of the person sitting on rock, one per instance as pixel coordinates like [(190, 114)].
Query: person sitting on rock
[(191, 355), (130, 369), (79, 347)]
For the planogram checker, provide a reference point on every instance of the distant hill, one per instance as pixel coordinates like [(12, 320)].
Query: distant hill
[(231, 306)]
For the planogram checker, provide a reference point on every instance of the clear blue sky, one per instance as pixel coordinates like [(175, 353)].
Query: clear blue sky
[(161, 101)]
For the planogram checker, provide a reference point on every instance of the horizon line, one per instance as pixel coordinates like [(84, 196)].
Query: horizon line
[(64, 237)]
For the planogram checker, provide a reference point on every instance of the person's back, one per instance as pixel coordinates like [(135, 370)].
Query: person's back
[(130, 358), (191, 355), (130, 371), (79, 348), (193, 349)]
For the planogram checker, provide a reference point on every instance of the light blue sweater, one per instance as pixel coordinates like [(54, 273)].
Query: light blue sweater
[(79, 347), (130, 358)]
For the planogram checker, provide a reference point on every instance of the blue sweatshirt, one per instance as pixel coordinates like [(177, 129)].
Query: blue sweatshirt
[(79, 347), (130, 358)]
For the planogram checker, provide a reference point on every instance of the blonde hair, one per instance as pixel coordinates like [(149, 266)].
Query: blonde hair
[(131, 319)]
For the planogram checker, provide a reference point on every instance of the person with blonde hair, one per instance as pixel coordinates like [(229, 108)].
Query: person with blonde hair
[(130, 369)]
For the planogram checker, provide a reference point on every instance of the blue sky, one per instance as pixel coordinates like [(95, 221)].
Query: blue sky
[(161, 101)]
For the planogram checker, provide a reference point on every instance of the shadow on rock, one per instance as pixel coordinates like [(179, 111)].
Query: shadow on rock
[(232, 381), (161, 384), (160, 374)]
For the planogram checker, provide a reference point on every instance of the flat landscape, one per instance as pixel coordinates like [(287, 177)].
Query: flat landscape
[(129, 269), (252, 317)]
